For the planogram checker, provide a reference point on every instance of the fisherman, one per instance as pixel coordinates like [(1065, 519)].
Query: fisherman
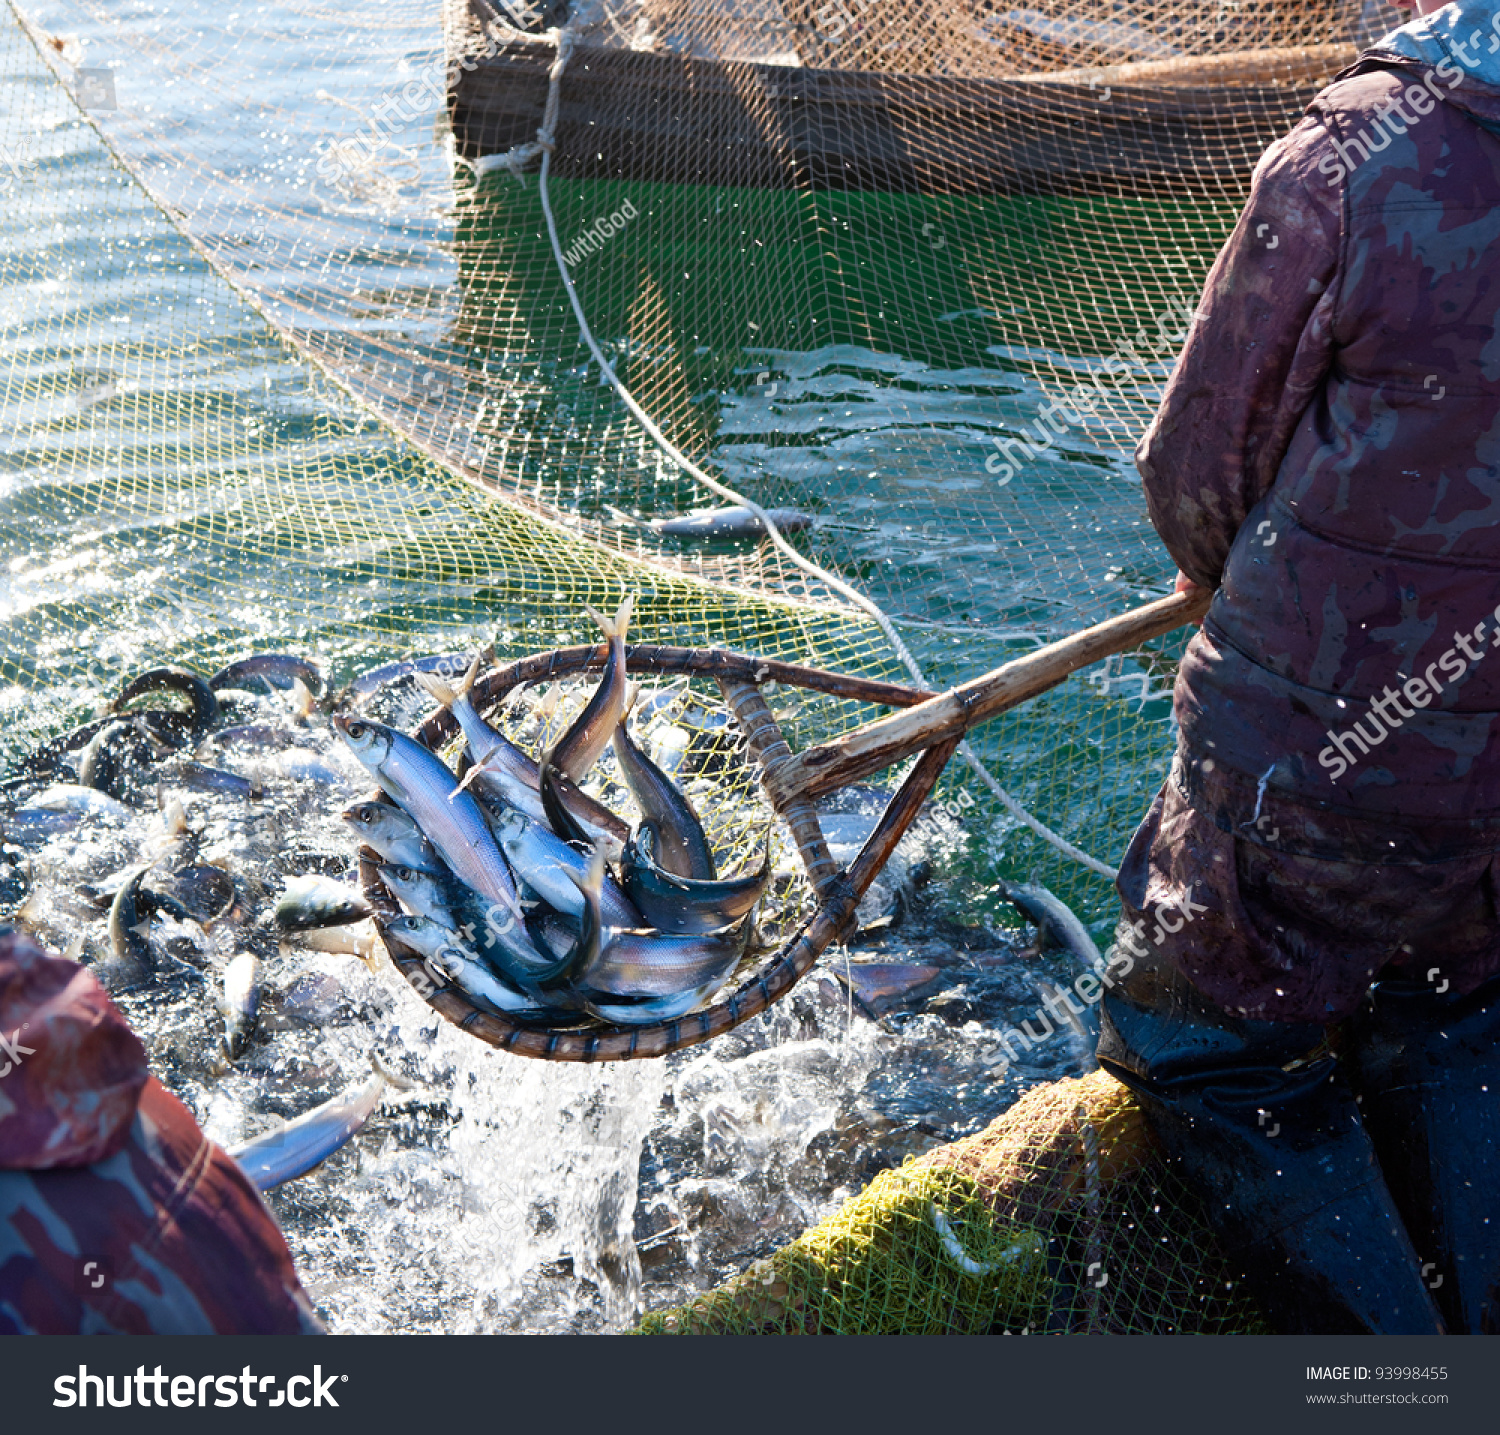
[(1317, 1047), (120, 1216)]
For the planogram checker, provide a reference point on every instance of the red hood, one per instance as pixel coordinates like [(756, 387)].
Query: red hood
[(71, 1070)]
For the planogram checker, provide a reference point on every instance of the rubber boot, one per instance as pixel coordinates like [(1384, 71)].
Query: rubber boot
[(1427, 1067), (1290, 1179)]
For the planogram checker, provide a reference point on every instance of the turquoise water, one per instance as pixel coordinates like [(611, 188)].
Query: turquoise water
[(180, 478)]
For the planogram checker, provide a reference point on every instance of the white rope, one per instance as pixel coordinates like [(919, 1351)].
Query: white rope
[(520, 155)]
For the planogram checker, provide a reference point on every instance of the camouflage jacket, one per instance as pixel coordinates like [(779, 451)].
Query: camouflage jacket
[(1327, 455), (117, 1215)]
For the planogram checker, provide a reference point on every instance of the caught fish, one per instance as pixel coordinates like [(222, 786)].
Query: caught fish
[(278, 670), (445, 955), (735, 521), (682, 847), (650, 965), (880, 986), (678, 904), (294, 1149), (423, 786), (258, 737), (551, 868), (171, 679), (313, 901), (1056, 924), (205, 890), (118, 757), (503, 772), (654, 1009), (392, 834), (241, 1001), (303, 766), (578, 749), (421, 893), (358, 940)]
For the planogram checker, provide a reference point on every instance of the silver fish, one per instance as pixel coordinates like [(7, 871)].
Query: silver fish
[(735, 521), (683, 847), (649, 964), (61, 808), (420, 892), (450, 961), (241, 1003), (1055, 922), (551, 868), (294, 1149), (196, 777), (172, 679), (278, 670), (130, 921), (504, 773), (578, 748), (423, 786), (393, 834), (313, 901), (644, 1013), (678, 904), (371, 682)]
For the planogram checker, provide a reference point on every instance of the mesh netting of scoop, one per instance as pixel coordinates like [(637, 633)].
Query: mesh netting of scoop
[(1060, 1217)]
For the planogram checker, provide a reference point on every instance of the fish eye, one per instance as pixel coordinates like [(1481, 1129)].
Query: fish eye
[(357, 730)]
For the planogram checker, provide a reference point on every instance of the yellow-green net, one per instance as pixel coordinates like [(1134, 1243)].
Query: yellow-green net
[(286, 361), (1058, 1218)]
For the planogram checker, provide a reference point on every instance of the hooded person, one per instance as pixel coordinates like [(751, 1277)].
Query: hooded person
[(1318, 1047), (117, 1214)]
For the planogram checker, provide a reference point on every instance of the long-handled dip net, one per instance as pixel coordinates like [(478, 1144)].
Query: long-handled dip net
[(402, 333)]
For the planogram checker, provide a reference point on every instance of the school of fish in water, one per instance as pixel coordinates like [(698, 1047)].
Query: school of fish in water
[(518, 887), (191, 844)]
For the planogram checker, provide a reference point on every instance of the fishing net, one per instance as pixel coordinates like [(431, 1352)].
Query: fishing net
[(301, 351), (1057, 1218)]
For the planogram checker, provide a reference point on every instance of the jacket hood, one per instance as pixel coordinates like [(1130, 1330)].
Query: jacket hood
[(1464, 36), (71, 1070)]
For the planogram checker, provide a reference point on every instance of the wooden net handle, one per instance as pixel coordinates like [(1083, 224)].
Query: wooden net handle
[(855, 755)]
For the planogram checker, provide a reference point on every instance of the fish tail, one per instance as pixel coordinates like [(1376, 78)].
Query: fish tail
[(436, 689), (467, 681), (632, 693), (614, 628)]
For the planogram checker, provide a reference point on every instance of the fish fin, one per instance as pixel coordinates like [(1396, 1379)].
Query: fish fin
[(303, 704), (467, 681), (615, 627), (632, 693), (436, 689), (592, 880), (474, 771)]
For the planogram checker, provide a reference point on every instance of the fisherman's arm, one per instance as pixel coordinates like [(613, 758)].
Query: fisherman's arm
[(1255, 356)]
